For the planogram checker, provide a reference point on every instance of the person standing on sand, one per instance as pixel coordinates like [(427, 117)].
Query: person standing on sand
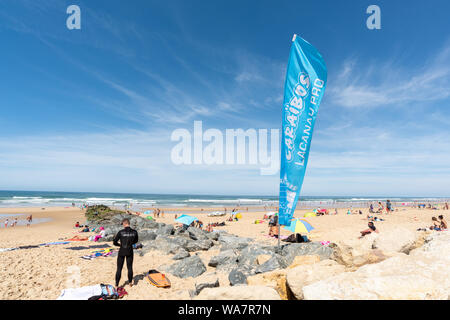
[(6, 223), (125, 238), (388, 206), (15, 222)]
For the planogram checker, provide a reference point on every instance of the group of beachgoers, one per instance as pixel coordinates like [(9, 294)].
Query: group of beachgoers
[(439, 224), (100, 232), (14, 222), (157, 212), (430, 206)]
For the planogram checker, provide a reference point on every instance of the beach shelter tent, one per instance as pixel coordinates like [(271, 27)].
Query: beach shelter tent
[(309, 214), (186, 219), (149, 217), (299, 226), (147, 212), (238, 215)]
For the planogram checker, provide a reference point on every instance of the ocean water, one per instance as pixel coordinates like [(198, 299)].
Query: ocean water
[(14, 199)]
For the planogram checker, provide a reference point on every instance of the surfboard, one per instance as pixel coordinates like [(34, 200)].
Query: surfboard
[(158, 279)]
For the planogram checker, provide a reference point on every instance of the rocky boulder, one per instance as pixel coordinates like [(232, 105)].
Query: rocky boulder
[(198, 245), (181, 254), (197, 233), (274, 279), (356, 252), (238, 293), (233, 242), (165, 229), (290, 251), (237, 277), (189, 267), (224, 260), (396, 240), (210, 281), (298, 277), (147, 234), (420, 275)]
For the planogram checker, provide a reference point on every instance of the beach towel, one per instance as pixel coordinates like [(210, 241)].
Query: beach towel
[(98, 246), (83, 293), (54, 243), (77, 238), (100, 253)]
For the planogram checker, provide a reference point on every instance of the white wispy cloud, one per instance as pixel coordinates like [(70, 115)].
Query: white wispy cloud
[(374, 84)]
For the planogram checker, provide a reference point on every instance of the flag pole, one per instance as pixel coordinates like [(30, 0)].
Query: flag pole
[(278, 233)]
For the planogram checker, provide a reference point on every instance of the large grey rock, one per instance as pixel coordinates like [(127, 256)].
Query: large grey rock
[(249, 255), (188, 267), (165, 229), (303, 275), (147, 234), (165, 244), (233, 242), (209, 282), (198, 245), (237, 277), (290, 251), (270, 265), (181, 254), (212, 235), (197, 233), (112, 230), (228, 257)]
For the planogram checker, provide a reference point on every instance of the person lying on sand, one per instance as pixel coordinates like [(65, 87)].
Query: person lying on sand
[(371, 229), (436, 224), (372, 218), (296, 238), (444, 225)]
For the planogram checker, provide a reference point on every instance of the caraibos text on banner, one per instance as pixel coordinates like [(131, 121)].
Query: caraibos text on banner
[(306, 79)]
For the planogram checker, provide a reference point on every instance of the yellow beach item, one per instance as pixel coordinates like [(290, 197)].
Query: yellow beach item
[(309, 214)]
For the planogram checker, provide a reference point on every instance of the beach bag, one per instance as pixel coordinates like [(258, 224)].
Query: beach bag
[(109, 292)]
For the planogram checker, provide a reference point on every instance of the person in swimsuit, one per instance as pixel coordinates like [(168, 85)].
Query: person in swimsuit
[(436, 225), (443, 222), (371, 229)]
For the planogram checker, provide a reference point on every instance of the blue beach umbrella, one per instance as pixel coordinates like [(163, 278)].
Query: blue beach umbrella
[(299, 226), (185, 219)]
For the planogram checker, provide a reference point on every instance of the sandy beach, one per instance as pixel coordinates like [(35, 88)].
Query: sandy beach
[(41, 273)]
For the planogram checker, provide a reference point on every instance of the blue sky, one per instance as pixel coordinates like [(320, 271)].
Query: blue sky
[(93, 109)]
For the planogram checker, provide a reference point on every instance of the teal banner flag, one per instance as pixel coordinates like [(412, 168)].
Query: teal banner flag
[(306, 79)]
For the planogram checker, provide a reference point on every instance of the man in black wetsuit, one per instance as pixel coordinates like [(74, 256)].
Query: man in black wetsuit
[(125, 238)]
